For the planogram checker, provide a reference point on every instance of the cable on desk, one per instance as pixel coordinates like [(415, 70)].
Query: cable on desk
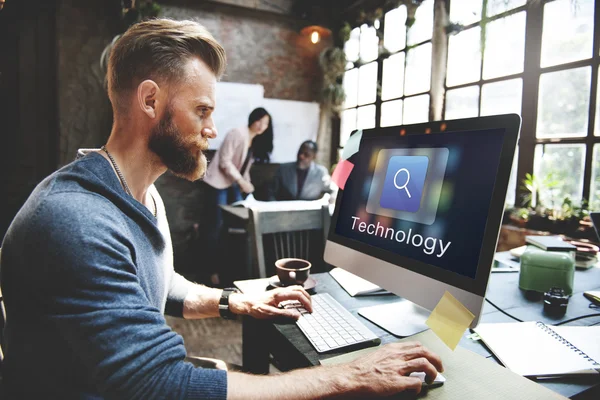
[(560, 323), (502, 311), (578, 318)]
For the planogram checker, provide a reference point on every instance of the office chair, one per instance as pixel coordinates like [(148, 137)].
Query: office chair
[(289, 233)]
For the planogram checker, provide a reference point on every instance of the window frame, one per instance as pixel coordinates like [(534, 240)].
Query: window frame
[(532, 71), (378, 100), (530, 99)]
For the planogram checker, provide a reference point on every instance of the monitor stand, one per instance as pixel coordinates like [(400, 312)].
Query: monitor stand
[(402, 318)]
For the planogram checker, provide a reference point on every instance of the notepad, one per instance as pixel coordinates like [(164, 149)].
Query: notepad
[(355, 285), (535, 349)]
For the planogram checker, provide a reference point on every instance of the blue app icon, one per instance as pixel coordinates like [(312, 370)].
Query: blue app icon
[(403, 184)]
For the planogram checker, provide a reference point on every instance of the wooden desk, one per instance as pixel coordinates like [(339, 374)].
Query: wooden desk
[(290, 349)]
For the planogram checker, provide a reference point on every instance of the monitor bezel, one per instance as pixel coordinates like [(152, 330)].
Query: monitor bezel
[(511, 124)]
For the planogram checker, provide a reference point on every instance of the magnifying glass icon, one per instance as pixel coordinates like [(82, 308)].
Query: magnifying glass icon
[(400, 187)]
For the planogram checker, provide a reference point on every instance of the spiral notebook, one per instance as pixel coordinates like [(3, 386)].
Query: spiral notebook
[(538, 350)]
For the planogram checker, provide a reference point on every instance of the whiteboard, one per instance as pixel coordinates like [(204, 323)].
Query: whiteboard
[(235, 102), (293, 123)]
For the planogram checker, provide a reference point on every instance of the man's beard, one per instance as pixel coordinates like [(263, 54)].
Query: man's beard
[(184, 159)]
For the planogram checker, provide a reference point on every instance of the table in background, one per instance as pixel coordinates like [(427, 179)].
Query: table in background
[(290, 349)]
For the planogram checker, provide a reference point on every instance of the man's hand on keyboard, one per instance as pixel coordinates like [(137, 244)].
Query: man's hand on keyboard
[(266, 305), (385, 371)]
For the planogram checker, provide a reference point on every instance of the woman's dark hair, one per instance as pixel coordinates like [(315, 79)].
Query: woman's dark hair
[(262, 145)]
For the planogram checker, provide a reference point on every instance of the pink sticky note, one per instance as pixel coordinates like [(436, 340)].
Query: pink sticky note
[(341, 173)]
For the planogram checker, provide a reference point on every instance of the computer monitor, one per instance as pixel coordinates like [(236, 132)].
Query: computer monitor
[(421, 211)]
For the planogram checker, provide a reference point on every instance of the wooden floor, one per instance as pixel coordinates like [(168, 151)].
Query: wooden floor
[(211, 337)]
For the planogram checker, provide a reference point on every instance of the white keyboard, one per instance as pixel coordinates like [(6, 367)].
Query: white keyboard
[(330, 326)]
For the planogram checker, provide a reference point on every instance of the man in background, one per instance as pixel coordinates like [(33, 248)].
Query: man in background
[(303, 179)]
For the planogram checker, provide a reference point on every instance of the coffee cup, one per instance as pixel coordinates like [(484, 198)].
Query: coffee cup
[(292, 271)]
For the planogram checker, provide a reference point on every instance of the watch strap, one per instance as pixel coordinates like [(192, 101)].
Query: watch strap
[(224, 310)]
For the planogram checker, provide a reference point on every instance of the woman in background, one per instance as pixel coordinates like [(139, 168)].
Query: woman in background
[(228, 174)]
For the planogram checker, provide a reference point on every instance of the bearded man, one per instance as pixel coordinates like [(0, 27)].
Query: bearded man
[(87, 263)]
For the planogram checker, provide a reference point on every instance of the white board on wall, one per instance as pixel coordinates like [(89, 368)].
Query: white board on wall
[(293, 123), (235, 102)]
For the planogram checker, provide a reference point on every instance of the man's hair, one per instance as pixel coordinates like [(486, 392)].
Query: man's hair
[(310, 143), (158, 49)]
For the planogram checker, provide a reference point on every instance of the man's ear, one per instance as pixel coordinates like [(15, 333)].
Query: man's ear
[(148, 97)]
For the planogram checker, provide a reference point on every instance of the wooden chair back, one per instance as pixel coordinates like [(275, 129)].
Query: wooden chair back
[(290, 233)]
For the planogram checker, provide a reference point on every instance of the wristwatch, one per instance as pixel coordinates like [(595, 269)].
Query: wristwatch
[(224, 309)]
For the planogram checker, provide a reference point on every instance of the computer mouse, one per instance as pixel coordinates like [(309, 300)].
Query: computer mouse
[(438, 381)]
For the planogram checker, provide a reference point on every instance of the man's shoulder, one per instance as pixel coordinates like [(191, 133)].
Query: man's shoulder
[(321, 168), (70, 198)]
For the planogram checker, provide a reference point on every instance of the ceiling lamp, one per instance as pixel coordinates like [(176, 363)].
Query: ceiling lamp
[(315, 33)]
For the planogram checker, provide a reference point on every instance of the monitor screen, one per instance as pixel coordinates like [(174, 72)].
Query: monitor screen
[(424, 197), (421, 209)]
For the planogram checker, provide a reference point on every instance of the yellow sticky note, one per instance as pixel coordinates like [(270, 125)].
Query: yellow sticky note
[(449, 320)]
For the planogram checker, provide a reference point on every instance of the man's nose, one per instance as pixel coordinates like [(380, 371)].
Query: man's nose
[(210, 131)]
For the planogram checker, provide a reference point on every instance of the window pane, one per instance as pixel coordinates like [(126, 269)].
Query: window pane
[(351, 47), (416, 109), (512, 182), (465, 12), (564, 103), (464, 57), (502, 97), (559, 170), (394, 37), (462, 103), (366, 117), (422, 29), (568, 31), (369, 43), (595, 186), (392, 85), (495, 7), (367, 83), (391, 113), (504, 46), (418, 70), (347, 125), (351, 87)]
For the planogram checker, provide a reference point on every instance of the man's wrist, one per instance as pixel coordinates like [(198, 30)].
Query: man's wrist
[(225, 310), (238, 304), (347, 379)]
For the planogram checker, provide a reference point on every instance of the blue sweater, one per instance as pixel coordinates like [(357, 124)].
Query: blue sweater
[(86, 277)]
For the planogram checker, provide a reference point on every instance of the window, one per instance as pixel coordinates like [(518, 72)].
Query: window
[(566, 139), (393, 87), (548, 76), (486, 62)]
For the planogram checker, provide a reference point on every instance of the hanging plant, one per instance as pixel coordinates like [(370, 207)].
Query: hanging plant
[(344, 33), (333, 64), (134, 11)]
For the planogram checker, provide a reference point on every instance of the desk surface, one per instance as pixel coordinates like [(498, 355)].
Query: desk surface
[(292, 350)]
